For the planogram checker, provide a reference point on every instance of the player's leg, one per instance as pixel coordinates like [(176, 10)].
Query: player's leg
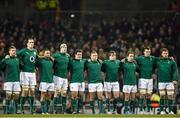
[(162, 93), (49, 94), (108, 95), (8, 89), (16, 93), (148, 96), (132, 98), (126, 91), (64, 94), (116, 101), (92, 89), (100, 97), (32, 85), (43, 90), (142, 85), (80, 97), (74, 96), (170, 96), (57, 91), (24, 90)]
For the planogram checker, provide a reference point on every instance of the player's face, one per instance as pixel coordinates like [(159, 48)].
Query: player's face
[(94, 56), (130, 57), (30, 44), (78, 55), (112, 56), (12, 52), (63, 48), (165, 54), (147, 52), (47, 53)]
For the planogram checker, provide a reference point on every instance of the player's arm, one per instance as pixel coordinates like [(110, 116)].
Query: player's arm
[(103, 67), (2, 64), (175, 72)]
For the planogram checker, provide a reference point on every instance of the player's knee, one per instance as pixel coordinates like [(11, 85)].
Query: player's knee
[(63, 92), (16, 95), (162, 92), (142, 91), (8, 94), (149, 92), (170, 92), (32, 88), (25, 88)]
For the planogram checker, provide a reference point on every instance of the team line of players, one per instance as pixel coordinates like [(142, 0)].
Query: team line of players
[(20, 78)]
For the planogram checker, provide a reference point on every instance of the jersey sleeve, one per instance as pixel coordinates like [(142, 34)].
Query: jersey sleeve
[(175, 71), (2, 64)]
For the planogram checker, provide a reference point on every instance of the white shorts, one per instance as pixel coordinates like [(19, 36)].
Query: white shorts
[(145, 84), (77, 86), (111, 86), (12, 86), (60, 83), (166, 86), (95, 87), (129, 88), (44, 86), (27, 78)]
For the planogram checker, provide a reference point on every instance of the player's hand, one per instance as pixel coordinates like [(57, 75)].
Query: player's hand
[(174, 82), (7, 56), (123, 60), (172, 58)]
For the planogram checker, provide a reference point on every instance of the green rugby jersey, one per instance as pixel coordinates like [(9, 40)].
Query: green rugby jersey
[(77, 70), (45, 66), (94, 71), (111, 68), (11, 69), (129, 73), (166, 70), (61, 63), (28, 59), (146, 65)]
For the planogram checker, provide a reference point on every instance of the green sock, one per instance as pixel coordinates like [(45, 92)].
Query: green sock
[(162, 103), (7, 106), (73, 104), (47, 105), (55, 102), (92, 106), (63, 99), (108, 104), (43, 106), (126, 104), (15, 105), (170, 104), (100, 105), (148, 102), (132, 106), (22, 102), (141, 104), (80, 104), (31, 102)]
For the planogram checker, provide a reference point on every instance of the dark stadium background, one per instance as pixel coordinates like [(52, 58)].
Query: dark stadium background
[(93, 24)]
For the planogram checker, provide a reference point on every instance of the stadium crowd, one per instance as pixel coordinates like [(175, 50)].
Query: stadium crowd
[(120, 36)]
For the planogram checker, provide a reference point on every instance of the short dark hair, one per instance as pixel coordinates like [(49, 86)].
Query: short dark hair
[(77, 50), (146, 48), (112, 52), (93, 51), (130, 52), (12, 47), (164, 49), (29, 38)]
